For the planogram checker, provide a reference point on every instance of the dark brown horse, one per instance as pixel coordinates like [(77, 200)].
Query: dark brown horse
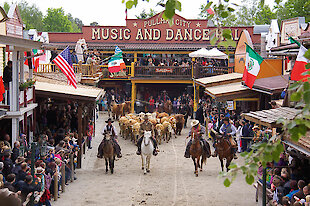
[(197, 152), (224, 149), (106, 150)]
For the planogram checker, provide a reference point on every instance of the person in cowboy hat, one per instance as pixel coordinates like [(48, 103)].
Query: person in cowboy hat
[(146, 126), (228, 130), (109, 128), (200, 130)]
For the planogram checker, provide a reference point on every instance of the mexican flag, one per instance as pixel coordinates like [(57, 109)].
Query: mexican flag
[(116, 63), (252, 66), (300, 65)]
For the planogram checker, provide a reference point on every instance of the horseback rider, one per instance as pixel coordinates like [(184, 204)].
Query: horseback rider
[(197, 128), (228, 130), (146, 126), (109, 128)]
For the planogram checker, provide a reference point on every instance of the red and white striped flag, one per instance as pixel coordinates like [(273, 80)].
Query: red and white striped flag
[(64, 62)]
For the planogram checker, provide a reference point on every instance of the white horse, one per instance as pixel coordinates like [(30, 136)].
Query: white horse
[(147, 148)]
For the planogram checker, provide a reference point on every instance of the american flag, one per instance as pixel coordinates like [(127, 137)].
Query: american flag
[(64, 62)]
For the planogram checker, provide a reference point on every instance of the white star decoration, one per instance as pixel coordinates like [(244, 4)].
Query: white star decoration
[(135, 24), (198, 24)]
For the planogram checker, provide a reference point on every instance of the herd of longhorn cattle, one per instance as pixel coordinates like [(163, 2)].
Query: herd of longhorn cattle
[(164, 125)]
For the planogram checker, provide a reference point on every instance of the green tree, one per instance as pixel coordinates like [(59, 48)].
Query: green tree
[(6, 7), (31, 16), (294, 8), (56, 21), (264, 15), (75, 27), (79, 23), (230, 20), (94, 23), (145, 15)]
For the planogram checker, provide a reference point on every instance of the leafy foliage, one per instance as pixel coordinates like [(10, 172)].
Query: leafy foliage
[(145, 15), (294, 8), (57, 21), (33, 18)]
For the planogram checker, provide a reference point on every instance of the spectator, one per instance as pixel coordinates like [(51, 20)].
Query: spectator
[(8, 164), (10, 180)]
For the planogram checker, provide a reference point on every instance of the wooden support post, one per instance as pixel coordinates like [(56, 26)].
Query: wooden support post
[(133, 96), (63, 175), (80, 136), (135, 57), (195, 97), (132, 72), (55, 186), (72, 167)]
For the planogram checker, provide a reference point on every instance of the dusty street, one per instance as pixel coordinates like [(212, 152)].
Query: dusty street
[(170, 182)]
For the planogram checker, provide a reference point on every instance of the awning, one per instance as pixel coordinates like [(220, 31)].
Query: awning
[(228, 91), (217, 54), (199, 53), (65, 91), (271, 85), (219, 79), (270, 117)]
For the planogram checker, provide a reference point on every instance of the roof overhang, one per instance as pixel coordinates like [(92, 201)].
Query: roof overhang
[(219, 79), (20, 44), (229, 91), (61, 91), (270, 117)]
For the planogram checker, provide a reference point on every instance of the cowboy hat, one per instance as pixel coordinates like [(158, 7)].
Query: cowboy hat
[(194, 122), (39, 170), (255, 127), (109, 120), (19, 160)]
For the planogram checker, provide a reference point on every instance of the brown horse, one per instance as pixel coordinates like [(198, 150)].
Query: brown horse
[(224, 150), (196, 151), (106, 150)]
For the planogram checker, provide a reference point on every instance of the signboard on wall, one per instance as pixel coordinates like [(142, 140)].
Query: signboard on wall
[(230, 105), (156, 29)]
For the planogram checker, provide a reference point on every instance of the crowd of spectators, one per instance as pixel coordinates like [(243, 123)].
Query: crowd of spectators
[(17, 184), (288, 179)]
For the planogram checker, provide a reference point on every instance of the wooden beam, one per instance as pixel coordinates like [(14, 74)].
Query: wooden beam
[(80, 135)]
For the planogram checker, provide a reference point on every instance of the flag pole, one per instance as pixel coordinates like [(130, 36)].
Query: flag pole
[(274, 69)]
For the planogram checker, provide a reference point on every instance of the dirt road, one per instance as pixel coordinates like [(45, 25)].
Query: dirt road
[(170, 182)]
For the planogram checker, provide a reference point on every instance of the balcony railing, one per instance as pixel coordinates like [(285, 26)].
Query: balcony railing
[(173, 72), (154, 72), (87, 70), (207, 71)]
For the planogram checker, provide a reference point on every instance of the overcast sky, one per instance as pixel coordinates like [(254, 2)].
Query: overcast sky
[(110, 12)]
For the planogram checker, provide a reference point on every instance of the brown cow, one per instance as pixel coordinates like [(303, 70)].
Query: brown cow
[(117, 110), (179, 123), (126, 107), (168, 107)]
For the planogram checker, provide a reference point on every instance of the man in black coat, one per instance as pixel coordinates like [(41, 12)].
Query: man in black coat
[(199, 115), (7, 74), (8, 164)]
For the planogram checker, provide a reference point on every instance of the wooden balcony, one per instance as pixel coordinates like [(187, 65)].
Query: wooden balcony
[(91, 74), (163, 72), (208, 71)]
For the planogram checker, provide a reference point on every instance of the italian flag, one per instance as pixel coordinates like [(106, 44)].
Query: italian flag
[(300, 66), (252, 66), (116, 63)]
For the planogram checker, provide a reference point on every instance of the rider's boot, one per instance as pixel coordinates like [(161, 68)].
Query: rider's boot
[(139, 150), (155, 152), (187, 153)]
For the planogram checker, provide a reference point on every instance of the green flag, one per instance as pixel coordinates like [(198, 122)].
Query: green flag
[(293, 41)]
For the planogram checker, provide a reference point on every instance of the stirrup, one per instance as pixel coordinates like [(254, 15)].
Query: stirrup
[(138, 152)]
